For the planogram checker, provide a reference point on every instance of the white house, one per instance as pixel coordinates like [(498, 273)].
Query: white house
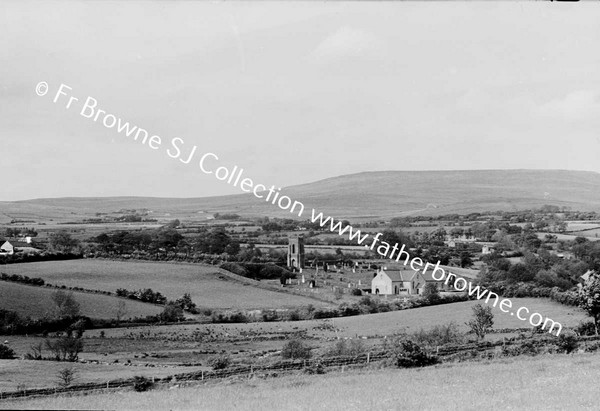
[(395, 281), (7, 248)]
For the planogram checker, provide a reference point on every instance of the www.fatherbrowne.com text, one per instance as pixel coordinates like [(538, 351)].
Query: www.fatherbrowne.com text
[(209, 164)]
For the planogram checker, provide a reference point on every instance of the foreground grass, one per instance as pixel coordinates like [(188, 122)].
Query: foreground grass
[(524, 383)]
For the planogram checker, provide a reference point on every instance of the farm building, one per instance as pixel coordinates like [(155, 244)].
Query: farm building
[(397, 281), (7, 248), (12, 247)]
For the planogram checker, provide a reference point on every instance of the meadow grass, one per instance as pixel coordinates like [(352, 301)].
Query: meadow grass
[(208, 288), (547, 382), (37, 302), (372, 325), (43, 374)]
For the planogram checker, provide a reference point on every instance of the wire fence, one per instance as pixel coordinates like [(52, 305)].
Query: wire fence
[(249, 371)]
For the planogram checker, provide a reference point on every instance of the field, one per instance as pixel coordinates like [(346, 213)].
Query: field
[(208, 288), (548, 383), (37, 302), (379, 324), (43, 374)]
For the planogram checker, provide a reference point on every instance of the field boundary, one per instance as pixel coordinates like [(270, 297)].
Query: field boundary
[(248, 371)]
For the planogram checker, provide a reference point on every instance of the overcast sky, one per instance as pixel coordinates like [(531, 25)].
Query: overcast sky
[(293, 92)]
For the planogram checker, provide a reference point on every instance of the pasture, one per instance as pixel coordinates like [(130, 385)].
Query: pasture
[(37, 302), (43, 374), (208, 288), (372, 325), (546, 382)]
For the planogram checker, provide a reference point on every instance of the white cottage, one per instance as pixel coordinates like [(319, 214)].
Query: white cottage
[(394, 281)]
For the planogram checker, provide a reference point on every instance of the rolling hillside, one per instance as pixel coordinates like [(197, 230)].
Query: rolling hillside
[(362, 195)]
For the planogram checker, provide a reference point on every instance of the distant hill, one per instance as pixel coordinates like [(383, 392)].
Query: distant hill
[(360, 196)]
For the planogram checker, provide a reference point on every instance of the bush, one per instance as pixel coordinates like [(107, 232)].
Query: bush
[(567, 343), (6, 353), (172, 312), (235, 268), (346, 348), (220, 363), (141, 384), (585, 328), (315, 369), (439, 335), (411, 355), (356, 291), (295, 349), (294, 315)]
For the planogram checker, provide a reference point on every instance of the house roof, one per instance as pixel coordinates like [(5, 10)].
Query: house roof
[(400, 275), (18, 244), (587, 275)]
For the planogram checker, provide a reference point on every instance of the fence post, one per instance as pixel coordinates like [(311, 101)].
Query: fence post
[(202, 375), (368, 357), (107, 384)]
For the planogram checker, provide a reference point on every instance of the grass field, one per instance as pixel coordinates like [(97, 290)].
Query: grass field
[(43, 374), (207, 287), (37, 302), (377, 324), (540, 383)]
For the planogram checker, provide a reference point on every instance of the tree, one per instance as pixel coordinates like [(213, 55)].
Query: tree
[(172, 312), (66, 348), (62, 242), (295, 349), (431, 293), (465, 260), (590, 298), (66, 376), (66, 305), (186, 303), (482, 321)]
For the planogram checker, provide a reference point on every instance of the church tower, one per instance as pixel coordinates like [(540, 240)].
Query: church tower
[(295, 254)]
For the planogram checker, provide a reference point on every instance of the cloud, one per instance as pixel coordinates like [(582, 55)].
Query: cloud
[(348, 43), (575, 106)]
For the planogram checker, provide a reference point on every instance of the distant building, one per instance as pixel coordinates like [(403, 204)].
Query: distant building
[(12, 247), (394, 281), (295, 254), (487, 250), (7, 248)]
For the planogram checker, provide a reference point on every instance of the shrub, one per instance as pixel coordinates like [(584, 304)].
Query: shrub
[(431, 293), (220, 363), (235, 268), (141, 384), (411, 355), (315, 368), (567, 343), (172, 312), (295, 349), (349, 348), (356, 292), (6, 353), (585, 328), (439, 335), (294, 315)]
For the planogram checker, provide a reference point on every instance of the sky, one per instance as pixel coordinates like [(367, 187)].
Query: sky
[(291, 92)]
